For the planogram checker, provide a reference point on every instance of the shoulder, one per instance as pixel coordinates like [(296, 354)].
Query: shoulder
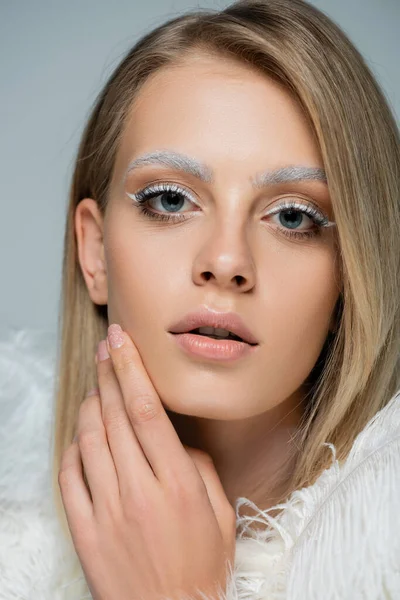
[(26, 408), (340, 537), (346, 527), (34, 561)]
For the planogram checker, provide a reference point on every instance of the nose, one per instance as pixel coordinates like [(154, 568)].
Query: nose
[(225, 260)]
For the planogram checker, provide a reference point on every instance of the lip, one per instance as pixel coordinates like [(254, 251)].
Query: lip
[(204, 317), (212, 349)]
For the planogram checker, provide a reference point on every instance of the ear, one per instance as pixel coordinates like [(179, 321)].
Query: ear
[(89, 236)]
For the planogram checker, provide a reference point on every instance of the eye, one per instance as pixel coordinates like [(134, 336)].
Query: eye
[(291, 214), (171, 197), (168, 196)]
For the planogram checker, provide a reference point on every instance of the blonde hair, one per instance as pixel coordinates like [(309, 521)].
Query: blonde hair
[(297, 45)]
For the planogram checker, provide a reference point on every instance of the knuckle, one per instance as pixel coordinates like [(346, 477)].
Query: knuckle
[(65, 466), (184, 490), (89, 440), (103, 373), (137, 505), (143, 409), (178, 489), (85, 536), (64, 475), (111, 510)]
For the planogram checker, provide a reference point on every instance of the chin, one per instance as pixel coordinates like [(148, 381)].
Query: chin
[(207, 408)]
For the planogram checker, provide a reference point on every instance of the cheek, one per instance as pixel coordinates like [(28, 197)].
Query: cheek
[(301, 298), (142, 273)]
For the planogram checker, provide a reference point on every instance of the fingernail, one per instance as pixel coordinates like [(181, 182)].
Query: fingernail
[(102, 351), (115, 336), (93, 391)]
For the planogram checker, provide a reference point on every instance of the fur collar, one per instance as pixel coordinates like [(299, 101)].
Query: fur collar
[(339, 538)]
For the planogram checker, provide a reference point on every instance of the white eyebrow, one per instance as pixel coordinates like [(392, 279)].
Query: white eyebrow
[(188, 164)]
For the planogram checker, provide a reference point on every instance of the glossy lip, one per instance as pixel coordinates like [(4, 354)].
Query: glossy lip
[(204, 317), (212, 349)]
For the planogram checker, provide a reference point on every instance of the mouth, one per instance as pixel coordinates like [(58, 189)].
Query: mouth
[(211, 344), (215, 333), (205, 324)]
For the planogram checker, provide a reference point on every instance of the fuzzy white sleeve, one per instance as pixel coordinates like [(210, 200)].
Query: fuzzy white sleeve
[(34, 561)]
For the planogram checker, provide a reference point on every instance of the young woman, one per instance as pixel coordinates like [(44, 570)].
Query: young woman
[(230, 298)]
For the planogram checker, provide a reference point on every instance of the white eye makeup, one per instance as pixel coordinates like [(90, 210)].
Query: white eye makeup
[(171, 198)]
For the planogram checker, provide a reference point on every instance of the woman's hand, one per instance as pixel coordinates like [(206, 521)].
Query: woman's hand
[(156, 521)]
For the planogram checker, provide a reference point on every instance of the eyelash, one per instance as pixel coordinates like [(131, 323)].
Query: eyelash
[(146, 194)]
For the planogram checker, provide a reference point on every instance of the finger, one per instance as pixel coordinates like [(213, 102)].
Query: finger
[(223, 510), (127, 453), (97, 461), (74, 493), (152, 426)]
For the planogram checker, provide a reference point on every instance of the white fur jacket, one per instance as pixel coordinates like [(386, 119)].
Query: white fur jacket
[(338, 539)]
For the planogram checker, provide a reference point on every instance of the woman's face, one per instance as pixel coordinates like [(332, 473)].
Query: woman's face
[(225, 252)]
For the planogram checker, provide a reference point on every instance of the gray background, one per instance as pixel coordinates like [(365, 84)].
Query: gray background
[(55, 57)]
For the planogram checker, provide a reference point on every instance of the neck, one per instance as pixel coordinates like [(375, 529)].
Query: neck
[(254, 457)]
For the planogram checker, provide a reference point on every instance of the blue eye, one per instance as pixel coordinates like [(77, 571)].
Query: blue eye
[(172, 198), (291, 214)]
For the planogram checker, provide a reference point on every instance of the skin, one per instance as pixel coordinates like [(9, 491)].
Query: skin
[(152, 273), (157, 523)]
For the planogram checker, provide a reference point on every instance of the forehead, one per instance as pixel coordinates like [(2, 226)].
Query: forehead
[(218, 110)]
